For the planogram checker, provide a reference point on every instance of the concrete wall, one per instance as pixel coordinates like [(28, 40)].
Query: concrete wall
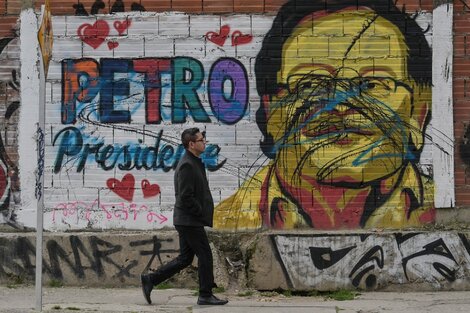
[(296, 261)]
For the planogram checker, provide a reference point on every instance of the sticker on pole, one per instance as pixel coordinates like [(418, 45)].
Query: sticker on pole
[(45, 36)]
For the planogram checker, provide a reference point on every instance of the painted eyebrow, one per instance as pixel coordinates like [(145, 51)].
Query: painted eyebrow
[(315, 66), (369, 69)]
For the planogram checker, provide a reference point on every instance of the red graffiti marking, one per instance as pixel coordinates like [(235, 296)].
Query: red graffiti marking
[(122, 26), (79, 210), (3, 181), (93, 35), (238, 38), (123, 188), (220, 37), (149, 190), (112, 45), (159, 217)]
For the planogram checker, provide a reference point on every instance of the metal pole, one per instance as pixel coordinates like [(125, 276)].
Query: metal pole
[(40, 181)]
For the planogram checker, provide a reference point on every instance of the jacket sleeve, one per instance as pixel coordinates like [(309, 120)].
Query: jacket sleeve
[(186, 181)]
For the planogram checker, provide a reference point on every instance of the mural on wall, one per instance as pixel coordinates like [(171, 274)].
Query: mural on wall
[(86, 258), (371, 262), (438, 260), (309, 124), (9, 105), (343, 114)]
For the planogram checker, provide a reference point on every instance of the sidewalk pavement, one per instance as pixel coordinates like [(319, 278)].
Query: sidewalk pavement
[(129, 300)]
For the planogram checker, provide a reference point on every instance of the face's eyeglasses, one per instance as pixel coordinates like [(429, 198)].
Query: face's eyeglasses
[(322, 85), (201, 140)]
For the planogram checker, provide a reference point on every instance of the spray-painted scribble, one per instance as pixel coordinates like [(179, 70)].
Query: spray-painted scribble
[(10, 104), (40, 169), (77, 213)]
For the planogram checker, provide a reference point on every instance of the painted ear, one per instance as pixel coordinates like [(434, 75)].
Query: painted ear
[(420, 115), (262, 114), (265, 101)]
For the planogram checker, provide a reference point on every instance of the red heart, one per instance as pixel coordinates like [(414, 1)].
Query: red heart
[(239, 39), (122, 26), (125, 188), (93, 35), (112, 44), (219, 38), (148, 189)]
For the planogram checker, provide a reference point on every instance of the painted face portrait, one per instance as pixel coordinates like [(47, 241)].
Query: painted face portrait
[(346, 112), (345, 98)]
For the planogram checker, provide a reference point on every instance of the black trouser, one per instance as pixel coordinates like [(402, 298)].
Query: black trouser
[(193, 241)]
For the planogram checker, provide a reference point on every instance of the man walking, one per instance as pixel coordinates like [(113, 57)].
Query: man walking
[(194, 208)]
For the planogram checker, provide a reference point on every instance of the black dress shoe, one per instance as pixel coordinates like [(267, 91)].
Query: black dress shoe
[(211, 300), (147, 287)]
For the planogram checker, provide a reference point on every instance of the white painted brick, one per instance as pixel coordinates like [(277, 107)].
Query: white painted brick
[(48, 178), (56, 95), (55, 71), (59, 26), (221, 179), (74, 22), (218, 134), (116, 23), (131, 48), (194, 48), (261, 24), (173, 25), (251, 49), (55, 196), (247, 136), (68, 176), (102, 51), (66, 48), (201, 24), (215, 52), (159, 47), (48, 90), (141, 26), (237, 22)]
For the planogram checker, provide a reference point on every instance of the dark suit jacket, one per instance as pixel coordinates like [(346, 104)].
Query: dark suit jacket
[(194, 205)]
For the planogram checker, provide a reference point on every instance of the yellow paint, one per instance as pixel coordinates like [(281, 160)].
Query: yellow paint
[(340, 48)]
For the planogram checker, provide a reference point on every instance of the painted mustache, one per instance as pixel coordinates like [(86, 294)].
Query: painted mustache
[(334, 122)]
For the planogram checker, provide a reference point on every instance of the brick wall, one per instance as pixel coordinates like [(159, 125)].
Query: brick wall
[(205, 36), (461, 101)]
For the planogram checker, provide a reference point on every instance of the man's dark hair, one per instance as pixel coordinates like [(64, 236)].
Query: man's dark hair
[(269, 59), (188, 135)]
